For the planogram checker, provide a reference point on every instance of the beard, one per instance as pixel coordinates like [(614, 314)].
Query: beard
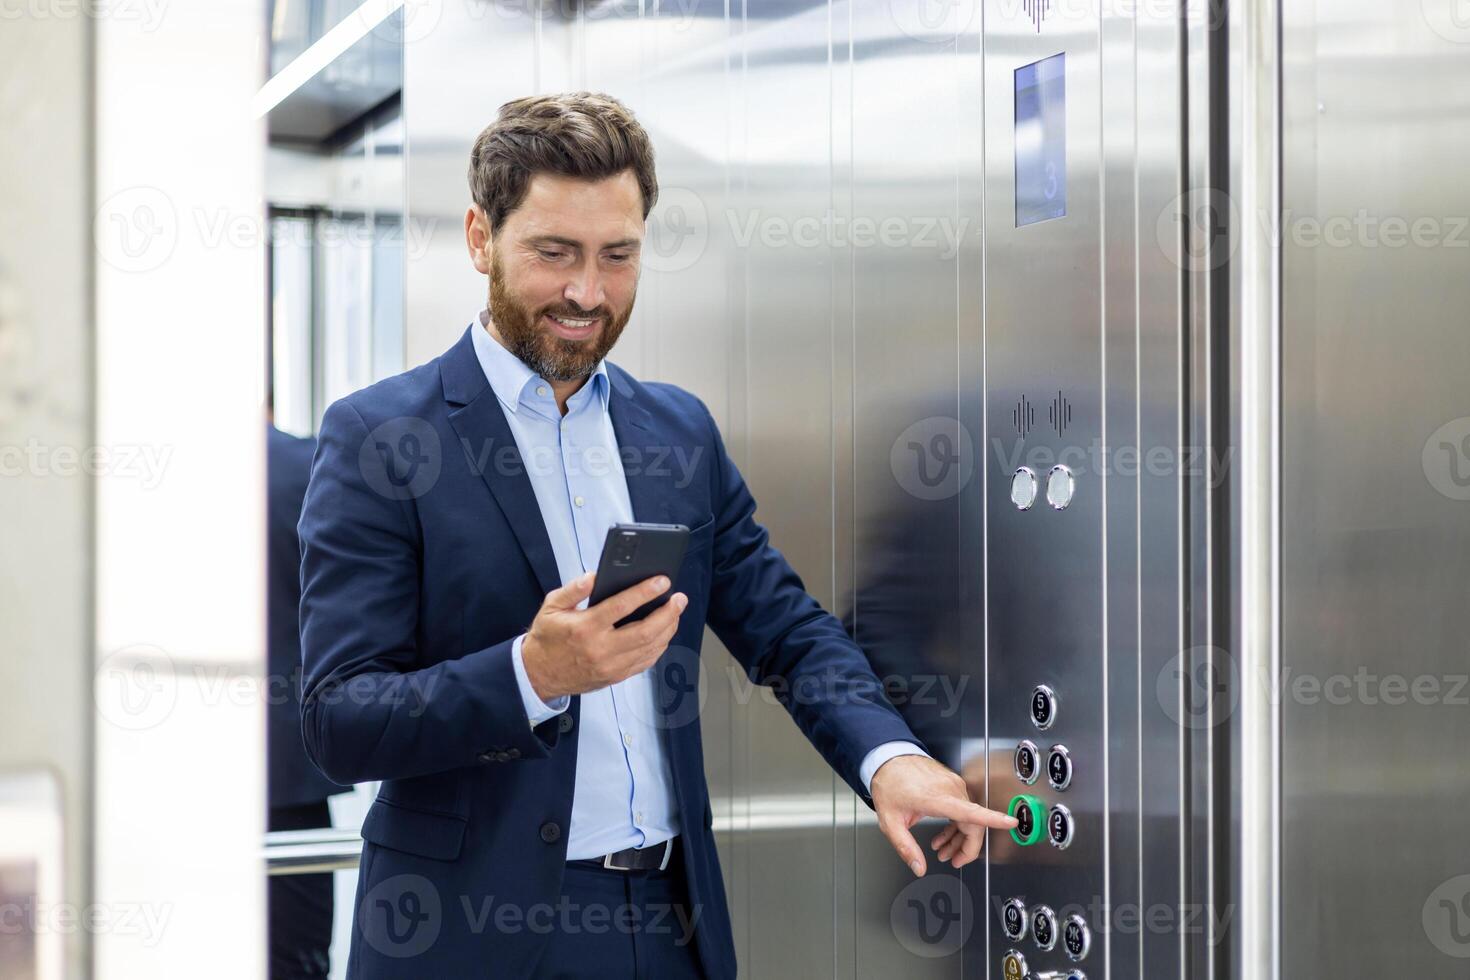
[(554, 358)]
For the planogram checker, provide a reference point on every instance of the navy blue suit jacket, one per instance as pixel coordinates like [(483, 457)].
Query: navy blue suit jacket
[(291, 777), (423, 556)]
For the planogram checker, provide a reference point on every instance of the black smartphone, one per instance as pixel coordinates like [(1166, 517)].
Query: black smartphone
[(634, 552)]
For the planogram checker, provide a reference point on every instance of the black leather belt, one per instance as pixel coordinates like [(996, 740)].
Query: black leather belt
[(653, 858)]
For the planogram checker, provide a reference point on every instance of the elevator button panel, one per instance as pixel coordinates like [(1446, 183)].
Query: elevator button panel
[(1059, 827), (1059, 767), (1044, 927), (1043, 707), (1076, 938), (1030, 814), (1028, 762)]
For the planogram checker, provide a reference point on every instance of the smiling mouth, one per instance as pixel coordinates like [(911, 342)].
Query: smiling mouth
[(573, 328)]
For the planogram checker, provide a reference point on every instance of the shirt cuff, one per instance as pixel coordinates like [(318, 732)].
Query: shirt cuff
[(880, 755), (536, 709)]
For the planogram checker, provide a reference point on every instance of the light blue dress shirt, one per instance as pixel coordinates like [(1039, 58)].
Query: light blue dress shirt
[(624, 793)]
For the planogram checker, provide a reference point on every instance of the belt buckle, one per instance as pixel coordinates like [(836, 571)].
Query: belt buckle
[(607, 861)]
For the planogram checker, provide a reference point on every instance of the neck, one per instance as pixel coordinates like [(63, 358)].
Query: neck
[(563, 390)]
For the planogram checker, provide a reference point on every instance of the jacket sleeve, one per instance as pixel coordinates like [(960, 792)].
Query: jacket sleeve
[(374, 705), (785, 640)]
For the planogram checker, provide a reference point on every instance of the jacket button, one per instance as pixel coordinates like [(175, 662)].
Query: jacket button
[(512, 754), (564, 723), (550, 832), (486, 756)]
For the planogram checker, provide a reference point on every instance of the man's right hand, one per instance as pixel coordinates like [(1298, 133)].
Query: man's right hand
[(572, 651)]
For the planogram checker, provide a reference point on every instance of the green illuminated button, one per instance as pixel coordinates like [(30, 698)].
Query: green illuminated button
[(1030, 814)]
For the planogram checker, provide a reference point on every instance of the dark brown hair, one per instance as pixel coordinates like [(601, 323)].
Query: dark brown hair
[(587, 135)]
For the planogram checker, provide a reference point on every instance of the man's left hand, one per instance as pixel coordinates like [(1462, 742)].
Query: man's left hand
[(908, 788)]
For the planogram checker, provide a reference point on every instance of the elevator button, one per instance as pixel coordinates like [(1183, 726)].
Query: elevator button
[(1028, 761), (1059, 827), (1043, 707), (1013, 920), (1013, 967), (1060, 485), (1059, 767), (1023, 488), (1076, 975), (1030, 814), (1076, 937), (1044, 927)]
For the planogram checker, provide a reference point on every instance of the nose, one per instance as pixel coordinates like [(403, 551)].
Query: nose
[(585, 288)]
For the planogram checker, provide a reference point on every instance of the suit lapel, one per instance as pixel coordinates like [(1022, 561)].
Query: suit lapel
[(490, 449)]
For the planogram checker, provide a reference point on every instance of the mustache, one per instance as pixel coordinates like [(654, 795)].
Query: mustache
[(597, 314)]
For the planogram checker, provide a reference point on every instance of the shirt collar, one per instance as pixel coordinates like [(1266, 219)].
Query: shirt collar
[(517, 386)]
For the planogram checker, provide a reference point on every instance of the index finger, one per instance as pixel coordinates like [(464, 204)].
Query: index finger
[(970, 814)]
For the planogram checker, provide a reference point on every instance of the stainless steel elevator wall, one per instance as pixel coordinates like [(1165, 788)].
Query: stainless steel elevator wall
[(1376, 490)]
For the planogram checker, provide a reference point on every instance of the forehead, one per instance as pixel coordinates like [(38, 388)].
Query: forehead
[(589, 211)]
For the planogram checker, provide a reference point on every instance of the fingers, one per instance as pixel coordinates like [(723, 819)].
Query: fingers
[(614, 608), (664, 619), (903, 842), (572, 593), (970, 814)]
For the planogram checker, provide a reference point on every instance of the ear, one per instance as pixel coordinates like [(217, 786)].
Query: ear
[(477, 238)]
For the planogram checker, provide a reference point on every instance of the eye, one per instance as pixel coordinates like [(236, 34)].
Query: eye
[(551, 254), (619, 257)]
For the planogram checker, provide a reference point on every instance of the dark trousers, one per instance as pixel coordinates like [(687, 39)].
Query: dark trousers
[(300, 906), (622, 925)]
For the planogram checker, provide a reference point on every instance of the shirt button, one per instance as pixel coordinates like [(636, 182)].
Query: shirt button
[(578, 501), (638, 817), (627, 738), (541, 390)]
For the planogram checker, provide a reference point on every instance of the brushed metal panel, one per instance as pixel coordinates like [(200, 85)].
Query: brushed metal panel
[(1376, 525), (1046, 595)]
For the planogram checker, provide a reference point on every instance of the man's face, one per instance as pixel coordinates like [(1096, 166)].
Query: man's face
[(563, 271)]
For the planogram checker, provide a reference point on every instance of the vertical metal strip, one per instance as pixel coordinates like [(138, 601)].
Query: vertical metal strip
[(1260, 506)]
